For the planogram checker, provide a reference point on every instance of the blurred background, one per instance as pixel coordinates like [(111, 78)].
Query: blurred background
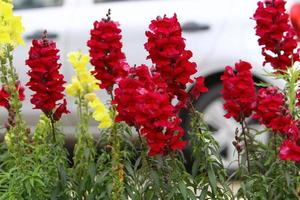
[(219, 33)]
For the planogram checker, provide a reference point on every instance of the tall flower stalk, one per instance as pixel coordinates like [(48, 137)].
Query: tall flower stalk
[(110, 66), (46, 80), (83, 86), (240, 98), (12, 92), (276, 36)]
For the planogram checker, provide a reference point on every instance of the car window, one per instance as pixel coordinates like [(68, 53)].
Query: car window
[(27, 4)]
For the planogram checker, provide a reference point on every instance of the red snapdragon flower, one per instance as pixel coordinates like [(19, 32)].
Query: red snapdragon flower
[(276, 36), (167, 51), (272, 112), (198, 88), (238, 91), (142, 100), (4, 95), (106, 54), (45, 79), (289, 150)]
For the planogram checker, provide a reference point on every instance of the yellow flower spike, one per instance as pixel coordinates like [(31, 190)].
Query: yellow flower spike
[(6, 9), (16, 30), (11, 27), (74, 88), (85, 84), (101, 113), (106, 122), (79, 61)]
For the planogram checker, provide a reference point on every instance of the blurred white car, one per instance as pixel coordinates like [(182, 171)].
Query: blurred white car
[(218, 32)]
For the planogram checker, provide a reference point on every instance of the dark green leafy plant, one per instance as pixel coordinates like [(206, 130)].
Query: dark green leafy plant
[(208, 173)]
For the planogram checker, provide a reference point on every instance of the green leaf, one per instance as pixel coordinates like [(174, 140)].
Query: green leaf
[(212, 178), (183, 190), (203, 193)]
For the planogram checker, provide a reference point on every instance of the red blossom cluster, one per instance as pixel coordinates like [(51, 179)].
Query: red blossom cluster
[(289, 150), (144, 96), (198, 88), (238, 91), (4, 95), (275, 34), (45, 79), (142, 100), (167, 51), (106, 54), (273, 113)]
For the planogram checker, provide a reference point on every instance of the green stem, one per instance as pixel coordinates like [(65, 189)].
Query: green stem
[(292, 94), (12, 87), (117, 167), (53, 129), (246, 143)]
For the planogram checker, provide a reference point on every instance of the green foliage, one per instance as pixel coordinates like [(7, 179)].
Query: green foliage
[(51, 156), (106, 175), (208, 171), (270, 177), (35, 169), (84, 169), (160, 177)]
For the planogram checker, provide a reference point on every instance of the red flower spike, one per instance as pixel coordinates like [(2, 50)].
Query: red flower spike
[(166, 49), (289, 151), (142, 101), (4, 95), (106, 54), (45, 79), (272, 112), (238, 91), (276, 36)]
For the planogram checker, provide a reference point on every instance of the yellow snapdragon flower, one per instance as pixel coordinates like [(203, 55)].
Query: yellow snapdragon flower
[(88, 83), (78, 60), (84, 84), (11, 27), (90, 97), (74, 88), (101, 113)]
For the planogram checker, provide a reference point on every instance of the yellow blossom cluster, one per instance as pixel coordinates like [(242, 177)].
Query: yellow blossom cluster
[(11, 27), (101, 113), (84, 82)]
